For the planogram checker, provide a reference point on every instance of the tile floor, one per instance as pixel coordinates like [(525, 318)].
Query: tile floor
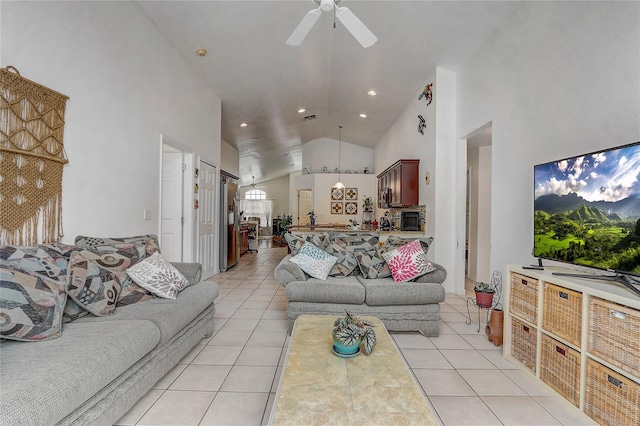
[(231, 378)]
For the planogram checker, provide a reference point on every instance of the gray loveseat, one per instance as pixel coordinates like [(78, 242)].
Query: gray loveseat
[(100, 366), (409, 306)]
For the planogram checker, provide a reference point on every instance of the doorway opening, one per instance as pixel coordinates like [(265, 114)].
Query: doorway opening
[(476, 208), (305, 205), (176, 205)]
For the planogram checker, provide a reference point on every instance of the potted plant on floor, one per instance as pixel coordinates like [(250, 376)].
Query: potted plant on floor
[(484, 294), (349, 331)]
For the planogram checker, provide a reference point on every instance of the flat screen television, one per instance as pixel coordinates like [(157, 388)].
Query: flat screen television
[(587, 210)]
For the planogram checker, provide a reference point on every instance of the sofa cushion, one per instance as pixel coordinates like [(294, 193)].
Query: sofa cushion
[(334, 290), (93, 287), (157, 275), (386, 292), (30, 305), (169, 316), (407, 262), (57, 375)]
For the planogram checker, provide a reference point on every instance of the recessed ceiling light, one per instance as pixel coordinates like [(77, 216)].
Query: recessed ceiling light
[(371, 93), (201, 52), (301, 110), (363, 115), (244, 125)]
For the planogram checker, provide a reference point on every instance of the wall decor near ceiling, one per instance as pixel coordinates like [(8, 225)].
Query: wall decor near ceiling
[(31, 160), (336, 207), (351, 207), (337, 194), (351, 193), (427, 94), (421, 124)]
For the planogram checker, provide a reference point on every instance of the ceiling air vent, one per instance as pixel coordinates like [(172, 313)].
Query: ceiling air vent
[(309, 117)]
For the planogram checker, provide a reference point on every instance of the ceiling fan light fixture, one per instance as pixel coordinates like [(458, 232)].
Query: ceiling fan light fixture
[(326, 5)]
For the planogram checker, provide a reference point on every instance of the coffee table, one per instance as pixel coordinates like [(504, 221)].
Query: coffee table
[(320, 388)]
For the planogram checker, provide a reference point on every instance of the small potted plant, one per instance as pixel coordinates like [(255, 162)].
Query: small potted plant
[(367, 204), (312, 217), (349, 331), (484, 294)]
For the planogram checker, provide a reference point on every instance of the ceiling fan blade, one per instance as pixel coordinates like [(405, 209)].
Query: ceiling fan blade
[(303, 28), (355, 26)]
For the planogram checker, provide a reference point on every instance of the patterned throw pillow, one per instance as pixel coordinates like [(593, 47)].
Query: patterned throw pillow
[(150, 242), (30, 305), (120, 258), (346, 262), (314, 261), (395, 241), (408, 262), (159, 276), (372, 265), (92, 286), (355, 242), (296, 241)]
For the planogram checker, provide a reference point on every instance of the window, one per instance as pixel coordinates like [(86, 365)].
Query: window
[(255, 194)]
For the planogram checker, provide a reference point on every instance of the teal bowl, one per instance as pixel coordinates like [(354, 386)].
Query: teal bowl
[(345, 350)]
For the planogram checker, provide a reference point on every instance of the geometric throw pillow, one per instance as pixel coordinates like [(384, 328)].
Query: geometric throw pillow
[(316, 267), (372, 265), (295, 242), (30, 306), (346, 263), (408, 262), (157, 275), (92, 286), (150, 242), (120, 258)]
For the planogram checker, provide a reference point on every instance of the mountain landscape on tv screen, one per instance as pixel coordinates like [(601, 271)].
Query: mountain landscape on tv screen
[(587, 210)]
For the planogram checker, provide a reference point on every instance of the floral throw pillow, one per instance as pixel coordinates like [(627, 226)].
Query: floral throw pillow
[(407, 262), (159, 276)]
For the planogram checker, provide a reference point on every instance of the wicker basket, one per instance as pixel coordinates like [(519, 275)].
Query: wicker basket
[(524, 340), (523, 299), (560, 369), (562, 314), (611, 398), (614, 334)]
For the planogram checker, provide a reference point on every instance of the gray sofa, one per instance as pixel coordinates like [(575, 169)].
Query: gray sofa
[(100, 366), (409, 306)]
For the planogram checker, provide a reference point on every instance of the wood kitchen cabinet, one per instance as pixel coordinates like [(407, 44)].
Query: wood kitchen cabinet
[(398, 185)]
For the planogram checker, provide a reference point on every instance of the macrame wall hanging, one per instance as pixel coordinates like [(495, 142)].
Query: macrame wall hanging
[(31, 160)]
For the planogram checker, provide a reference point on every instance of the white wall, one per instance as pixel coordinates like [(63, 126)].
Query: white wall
[(229, 158), (479, 262), (127, 86), (323, 152), (321, 184), (559, 79)]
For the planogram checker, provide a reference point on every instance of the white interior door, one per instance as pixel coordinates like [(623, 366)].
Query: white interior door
[(207, 196), (305, 205), (172, 202)]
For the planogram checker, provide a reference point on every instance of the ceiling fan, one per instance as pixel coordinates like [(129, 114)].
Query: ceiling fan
[(253, 183), (350, 21)]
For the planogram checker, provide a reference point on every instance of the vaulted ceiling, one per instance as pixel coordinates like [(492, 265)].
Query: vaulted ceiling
[(264, 82)]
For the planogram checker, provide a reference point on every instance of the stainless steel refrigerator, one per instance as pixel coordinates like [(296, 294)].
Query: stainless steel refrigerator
[(229, 221)]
